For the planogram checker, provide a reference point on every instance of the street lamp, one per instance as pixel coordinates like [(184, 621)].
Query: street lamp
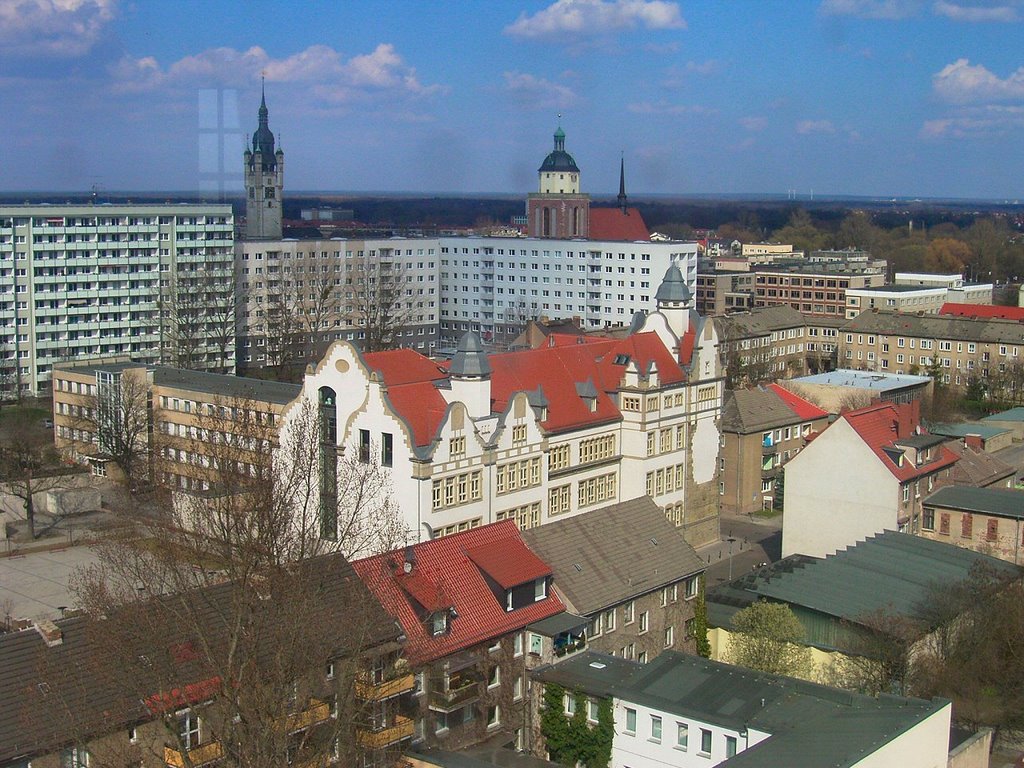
[(731, 539)]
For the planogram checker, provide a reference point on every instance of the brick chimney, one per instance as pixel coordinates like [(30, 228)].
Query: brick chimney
[(49, 631), (974, 441)]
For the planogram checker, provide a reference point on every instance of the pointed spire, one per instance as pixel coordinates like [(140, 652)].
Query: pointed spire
[(622, 184)]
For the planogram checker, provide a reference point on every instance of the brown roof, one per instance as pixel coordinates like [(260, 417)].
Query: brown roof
[(78, 689), (613, 554), (977, 468)]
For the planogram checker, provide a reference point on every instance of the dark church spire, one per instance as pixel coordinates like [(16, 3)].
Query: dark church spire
[(622, 184), (263, 139)]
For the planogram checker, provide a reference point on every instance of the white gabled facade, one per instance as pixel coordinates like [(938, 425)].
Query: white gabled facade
[(462, 449)]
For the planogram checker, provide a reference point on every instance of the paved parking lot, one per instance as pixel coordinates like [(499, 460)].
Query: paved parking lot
[(35, 585)]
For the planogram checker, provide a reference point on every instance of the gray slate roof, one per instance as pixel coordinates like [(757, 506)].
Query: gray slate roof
[(219, 384), (605, 557), (751, 410), (890, 572), (937, 327), (977, 468), (223, 385), (1002, 502), (758, 322), (812, 726)]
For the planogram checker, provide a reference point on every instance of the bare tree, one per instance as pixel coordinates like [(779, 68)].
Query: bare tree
[(29, 464), (183, 315), (231, 624), (878, 654), (379, 306), (119, 415), (219, 310)]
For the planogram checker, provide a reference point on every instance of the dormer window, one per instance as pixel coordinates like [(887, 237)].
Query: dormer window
[(439, 623), (540, 589)]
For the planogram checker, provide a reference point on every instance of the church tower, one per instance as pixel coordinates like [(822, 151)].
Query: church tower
[(558, 209), (264, 182)]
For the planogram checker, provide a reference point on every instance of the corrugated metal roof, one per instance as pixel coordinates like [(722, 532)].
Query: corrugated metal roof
[(1002, 502), (890, 572), (810, 725)]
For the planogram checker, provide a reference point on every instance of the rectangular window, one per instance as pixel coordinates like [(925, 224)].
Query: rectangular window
[(457, 447), (730, 746), (966, 525), (597, 448), (630, 720), (189, 729), (643, 622), (705, 741), (944, 524), (928, 519), (558, 457), (519, 434), (364, 446), (592, 711), (682, 735), (627, 613), (669, 636), (386, 449), (655, 728), (992, 530)]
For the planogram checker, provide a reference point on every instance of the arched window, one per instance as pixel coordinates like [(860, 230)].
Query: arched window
[(327, 423)]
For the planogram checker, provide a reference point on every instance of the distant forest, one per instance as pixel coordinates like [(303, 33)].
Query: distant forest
[(982, 240)]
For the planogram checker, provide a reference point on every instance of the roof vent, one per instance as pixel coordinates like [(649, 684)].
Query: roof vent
[(598, 665), (578, 567), (50, 632)]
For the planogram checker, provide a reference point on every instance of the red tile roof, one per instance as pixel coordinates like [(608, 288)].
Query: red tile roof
[(493, 559), (986, 311), (410, 380), (445, 565), (557, 368), (881, 426), (613, 224), (799, 406)]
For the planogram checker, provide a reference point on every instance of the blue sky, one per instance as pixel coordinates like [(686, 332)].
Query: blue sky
[(860, 97)]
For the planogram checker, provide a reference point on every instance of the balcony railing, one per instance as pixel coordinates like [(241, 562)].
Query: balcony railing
[(375, 739), (205, 753), (454, 698), (317, 712), (367, 690)]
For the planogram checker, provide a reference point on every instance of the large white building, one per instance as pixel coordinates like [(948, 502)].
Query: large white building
[(531, 435), (152, 282), (688, 712), (437, 289)]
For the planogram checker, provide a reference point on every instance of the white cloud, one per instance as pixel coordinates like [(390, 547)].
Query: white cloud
[(973, 122), (588, 17), (871, 9), (815, 126), (754, 123), (321, 67), (665, 108), (962, 82), (1005, 14), (64, 28), (532, 92)]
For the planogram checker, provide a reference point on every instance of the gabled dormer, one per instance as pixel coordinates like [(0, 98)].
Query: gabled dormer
[(515, 582)]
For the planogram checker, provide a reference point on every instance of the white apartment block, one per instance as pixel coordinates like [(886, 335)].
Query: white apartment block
[(684, 711), (493, 286), (917, 292), (449, 286), (323, 289), (150, 282)]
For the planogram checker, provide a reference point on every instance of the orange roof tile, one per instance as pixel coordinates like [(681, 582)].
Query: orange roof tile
[(613, 224), (799, 406), (446, 567), (986, 311), (881, 426)]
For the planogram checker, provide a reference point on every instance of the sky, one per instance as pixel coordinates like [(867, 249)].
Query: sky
[(887, 98)]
